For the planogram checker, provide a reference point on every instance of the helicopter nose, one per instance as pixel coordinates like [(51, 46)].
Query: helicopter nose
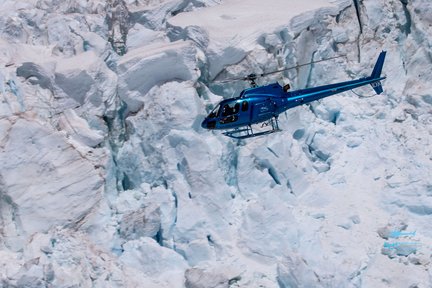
[(204, 123), (208, 124)]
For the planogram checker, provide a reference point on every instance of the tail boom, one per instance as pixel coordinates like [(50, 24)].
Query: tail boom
[(307, 95), (302, 96)]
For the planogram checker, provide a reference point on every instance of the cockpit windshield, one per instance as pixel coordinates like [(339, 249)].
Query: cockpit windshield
[(214, 112)]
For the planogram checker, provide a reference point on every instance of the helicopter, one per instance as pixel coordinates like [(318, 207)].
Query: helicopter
[(264, 104)]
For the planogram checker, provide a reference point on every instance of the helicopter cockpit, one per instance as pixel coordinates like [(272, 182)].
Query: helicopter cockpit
[(227, 111), (228, 108)]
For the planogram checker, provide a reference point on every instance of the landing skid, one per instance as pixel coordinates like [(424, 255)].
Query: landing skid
[(247, 131)]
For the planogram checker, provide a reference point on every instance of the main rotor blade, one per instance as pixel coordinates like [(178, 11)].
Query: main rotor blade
[(277, 71), (297, 66), (229, 80)]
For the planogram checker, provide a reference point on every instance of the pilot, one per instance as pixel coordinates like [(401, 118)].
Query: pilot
[(225, 110)]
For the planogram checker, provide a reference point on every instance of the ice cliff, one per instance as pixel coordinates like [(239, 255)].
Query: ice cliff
[(108, 180)]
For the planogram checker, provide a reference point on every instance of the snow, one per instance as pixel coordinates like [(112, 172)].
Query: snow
[(108, 180)]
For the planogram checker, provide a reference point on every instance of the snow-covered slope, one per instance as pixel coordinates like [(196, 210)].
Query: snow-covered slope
[(108, 180)]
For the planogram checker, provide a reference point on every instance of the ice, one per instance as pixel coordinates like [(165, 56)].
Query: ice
[(232, 30), (149, 258), (79, 129), (108, 180), (156, 64), (38, 179), (201, 278)]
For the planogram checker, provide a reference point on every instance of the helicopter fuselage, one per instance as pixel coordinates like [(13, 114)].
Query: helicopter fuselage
[(256, 105), (261, 104)]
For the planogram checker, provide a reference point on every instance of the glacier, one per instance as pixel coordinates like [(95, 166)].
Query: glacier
[(108, 180)]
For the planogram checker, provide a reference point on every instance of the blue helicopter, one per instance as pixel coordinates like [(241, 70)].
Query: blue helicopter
[(264, 104)]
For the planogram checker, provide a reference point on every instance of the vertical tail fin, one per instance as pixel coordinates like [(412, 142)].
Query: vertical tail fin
[(376, 73)]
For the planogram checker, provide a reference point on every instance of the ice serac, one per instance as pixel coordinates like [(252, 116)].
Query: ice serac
[(148, 66), (154, 261), (233, 31), (79, 129), (41, 170), (87, 80)]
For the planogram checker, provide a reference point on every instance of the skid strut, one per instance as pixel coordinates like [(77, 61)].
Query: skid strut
[(248, 132)]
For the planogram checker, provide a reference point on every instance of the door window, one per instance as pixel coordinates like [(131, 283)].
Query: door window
[(245, 105), (230, 109)]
